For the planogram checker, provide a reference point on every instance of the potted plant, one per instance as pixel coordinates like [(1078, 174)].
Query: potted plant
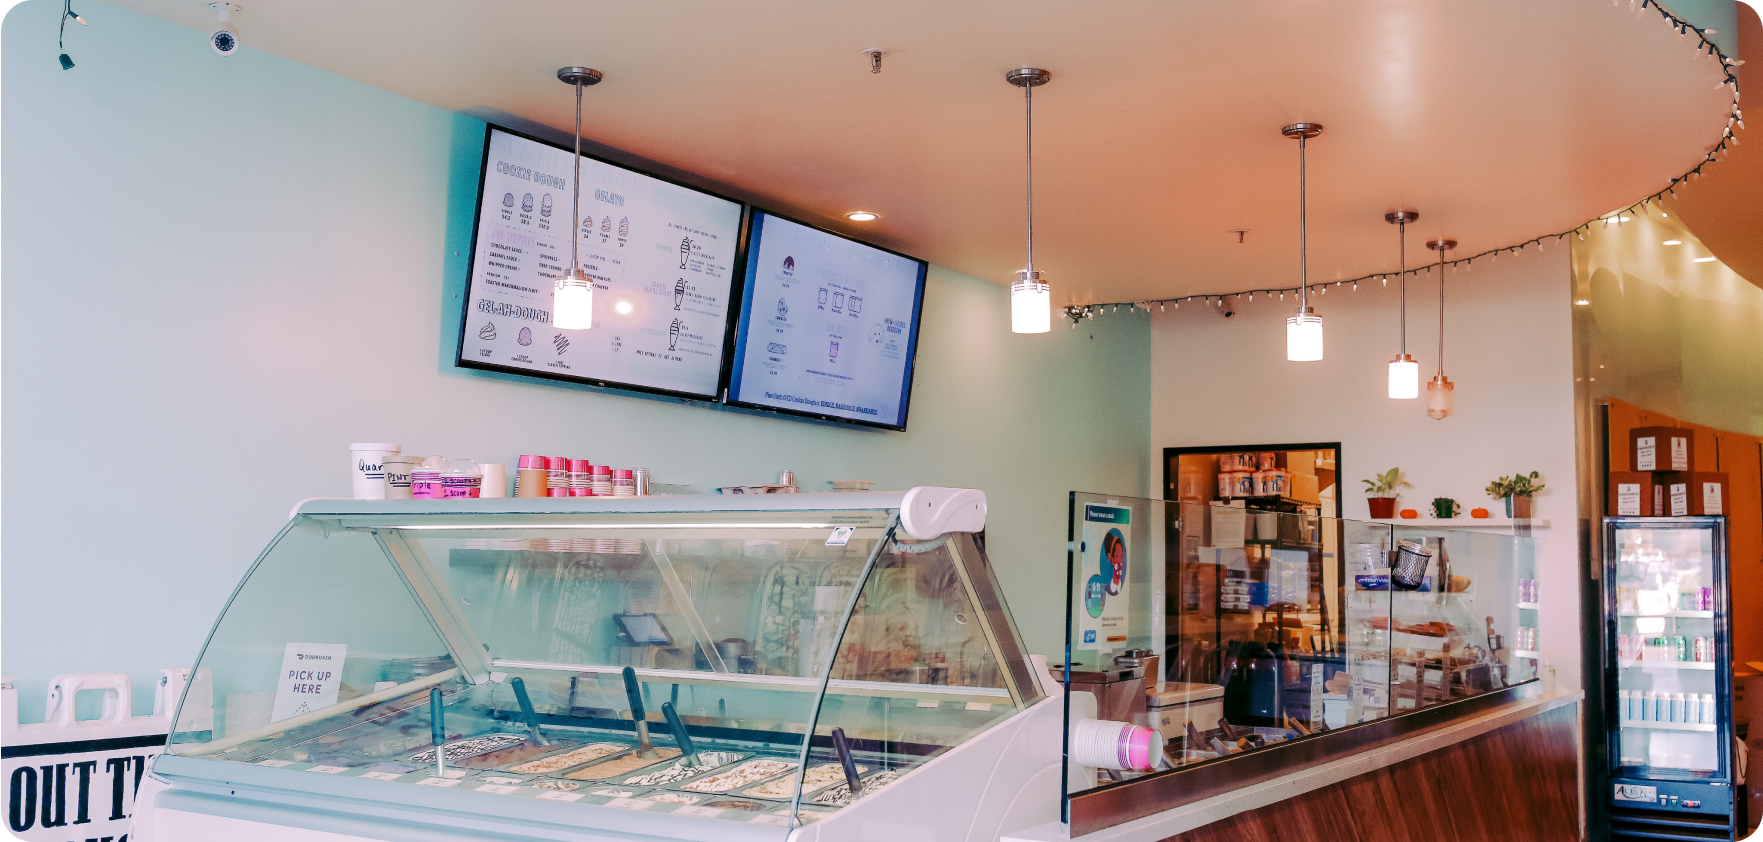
[(1380, 492), (1516, 490)]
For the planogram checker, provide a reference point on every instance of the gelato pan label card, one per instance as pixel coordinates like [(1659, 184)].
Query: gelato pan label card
[(311, 674), (1106, 591), (660, 257)]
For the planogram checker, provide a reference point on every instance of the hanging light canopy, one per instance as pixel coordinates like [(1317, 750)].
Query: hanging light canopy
[(1031, 297), (1404, 371), (572, 301), (1303, 328), (1438, 391)]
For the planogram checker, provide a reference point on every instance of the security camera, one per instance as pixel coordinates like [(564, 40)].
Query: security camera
[(225, 40)]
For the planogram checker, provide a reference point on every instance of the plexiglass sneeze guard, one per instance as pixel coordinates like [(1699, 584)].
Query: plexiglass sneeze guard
[(549, 635), (1234, 631)]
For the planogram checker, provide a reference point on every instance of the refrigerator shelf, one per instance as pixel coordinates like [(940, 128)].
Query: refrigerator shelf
[(1668, 726), (1670, 665)]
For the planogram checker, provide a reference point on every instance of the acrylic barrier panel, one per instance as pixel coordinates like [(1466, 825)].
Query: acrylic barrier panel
[(1278, 626), (323, 619), (1669, 626)]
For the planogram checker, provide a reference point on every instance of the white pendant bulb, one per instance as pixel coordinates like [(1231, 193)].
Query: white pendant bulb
[(1031, 297), (1303, 328), (572, 299), (1439, 392), (1404, 371)]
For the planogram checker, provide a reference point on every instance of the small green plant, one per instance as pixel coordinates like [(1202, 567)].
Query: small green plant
[(1385, 484), (1517, 485)]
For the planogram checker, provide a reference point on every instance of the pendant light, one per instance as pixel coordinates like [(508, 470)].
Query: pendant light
[(1404, 371), (1031, 298), (1303, 328), (572, 302), (1438, 392)]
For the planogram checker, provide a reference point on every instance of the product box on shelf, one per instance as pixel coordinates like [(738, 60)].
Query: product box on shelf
[(1687, 493), (1708, 493), (1298, 461), (1661, 449), (1634, 494), (1306, 488)]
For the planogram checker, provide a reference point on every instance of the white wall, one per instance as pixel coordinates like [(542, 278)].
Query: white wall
[(219, 272), (1218, 381)]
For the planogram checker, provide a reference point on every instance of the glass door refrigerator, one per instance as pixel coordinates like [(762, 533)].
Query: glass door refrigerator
[(1668, 650)]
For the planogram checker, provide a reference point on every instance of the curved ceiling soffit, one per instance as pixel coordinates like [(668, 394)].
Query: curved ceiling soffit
[(1726, 213), (1720, 151)]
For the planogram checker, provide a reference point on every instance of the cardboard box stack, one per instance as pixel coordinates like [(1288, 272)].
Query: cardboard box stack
[(1662, 480)]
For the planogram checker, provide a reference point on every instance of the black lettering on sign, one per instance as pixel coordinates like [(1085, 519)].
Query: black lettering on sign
[(55, 792), (117, 766), (23, 815), (85, 768), (140, 766)]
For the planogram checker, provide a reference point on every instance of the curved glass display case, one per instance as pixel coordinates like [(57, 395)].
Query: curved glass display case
[(644, 667)]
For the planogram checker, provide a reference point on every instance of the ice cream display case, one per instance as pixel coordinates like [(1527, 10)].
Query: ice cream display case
[(567, 669), (1239, 645)]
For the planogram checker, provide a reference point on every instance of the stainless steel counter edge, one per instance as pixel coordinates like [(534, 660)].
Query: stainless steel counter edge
[(1201, 813)]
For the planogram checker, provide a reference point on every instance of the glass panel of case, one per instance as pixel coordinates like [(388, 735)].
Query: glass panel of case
[(1275, 626), (1666, 649), (671, 659)]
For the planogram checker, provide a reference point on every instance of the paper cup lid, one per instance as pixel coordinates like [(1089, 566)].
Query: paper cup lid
[(557, 463), (579, 465), (622, 474), (602, 469), (532, 462), (375, 446)]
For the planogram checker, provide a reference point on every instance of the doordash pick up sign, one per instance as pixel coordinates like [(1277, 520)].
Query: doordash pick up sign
[(311, 674)]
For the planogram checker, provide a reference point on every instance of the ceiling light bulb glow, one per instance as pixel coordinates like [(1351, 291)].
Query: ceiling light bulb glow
[(1304, 336), (862, 216), (1705, 260), (1582, 302), (1404, 378), (572, 302), (1439, 398), (1673, 242), (1031, 304)]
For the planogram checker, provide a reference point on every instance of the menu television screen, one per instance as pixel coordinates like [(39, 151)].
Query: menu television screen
[(661, 256), (828, 325)]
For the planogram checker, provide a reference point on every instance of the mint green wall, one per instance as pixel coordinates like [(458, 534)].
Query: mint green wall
[(218, 272)]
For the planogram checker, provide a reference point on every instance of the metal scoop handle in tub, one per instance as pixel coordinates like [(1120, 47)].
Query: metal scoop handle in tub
[(680, 736), (843, 747), (526, 710), (634, 693), (438, 729)]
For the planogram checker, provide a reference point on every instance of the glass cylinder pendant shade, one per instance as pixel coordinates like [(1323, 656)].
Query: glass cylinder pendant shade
[(1031, 303), (1304, 336), (1404, 378), (572, 303), (1438, 397)]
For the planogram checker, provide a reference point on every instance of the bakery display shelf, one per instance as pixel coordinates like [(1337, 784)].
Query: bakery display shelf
[(1678, 615), (1670, 665), (1651, 725), (1467, 522)]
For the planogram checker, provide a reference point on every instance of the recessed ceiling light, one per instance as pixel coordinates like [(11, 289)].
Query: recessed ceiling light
[(1674, 242), (1704, 260), (862, 216), (1581, 302)]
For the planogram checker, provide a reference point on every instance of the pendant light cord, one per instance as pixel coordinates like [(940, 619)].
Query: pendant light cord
[(1303, 242), (575, 233), (1441, 312), (1402, 229), (1028, 95)]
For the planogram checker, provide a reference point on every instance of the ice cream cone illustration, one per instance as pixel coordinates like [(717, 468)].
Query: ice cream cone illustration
[(685, 251), (606, 226), (525, 337), (679, 293), (624, 227), (673, 334), (487, 332), (526, 203), (545, 206)]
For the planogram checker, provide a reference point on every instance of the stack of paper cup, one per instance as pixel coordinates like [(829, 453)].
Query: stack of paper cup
[(398, 475), (1116, 745), (495, 480), (367, 462)]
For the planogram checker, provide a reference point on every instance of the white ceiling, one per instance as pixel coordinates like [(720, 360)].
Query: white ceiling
[(1498, 120)]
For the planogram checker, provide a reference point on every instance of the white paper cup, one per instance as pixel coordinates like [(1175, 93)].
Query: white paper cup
[(367, 468), (398, 475), (495, 480)]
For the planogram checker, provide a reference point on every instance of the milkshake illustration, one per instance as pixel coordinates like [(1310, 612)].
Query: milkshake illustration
[(685, 251), (545, 206), (838, 301), (526, 336), (679, 293), (833, 351), (673, 334), (526, 203), (823, 295), (562, 343), (508, 200), (488, 332), (856, 305), (624, 227)]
